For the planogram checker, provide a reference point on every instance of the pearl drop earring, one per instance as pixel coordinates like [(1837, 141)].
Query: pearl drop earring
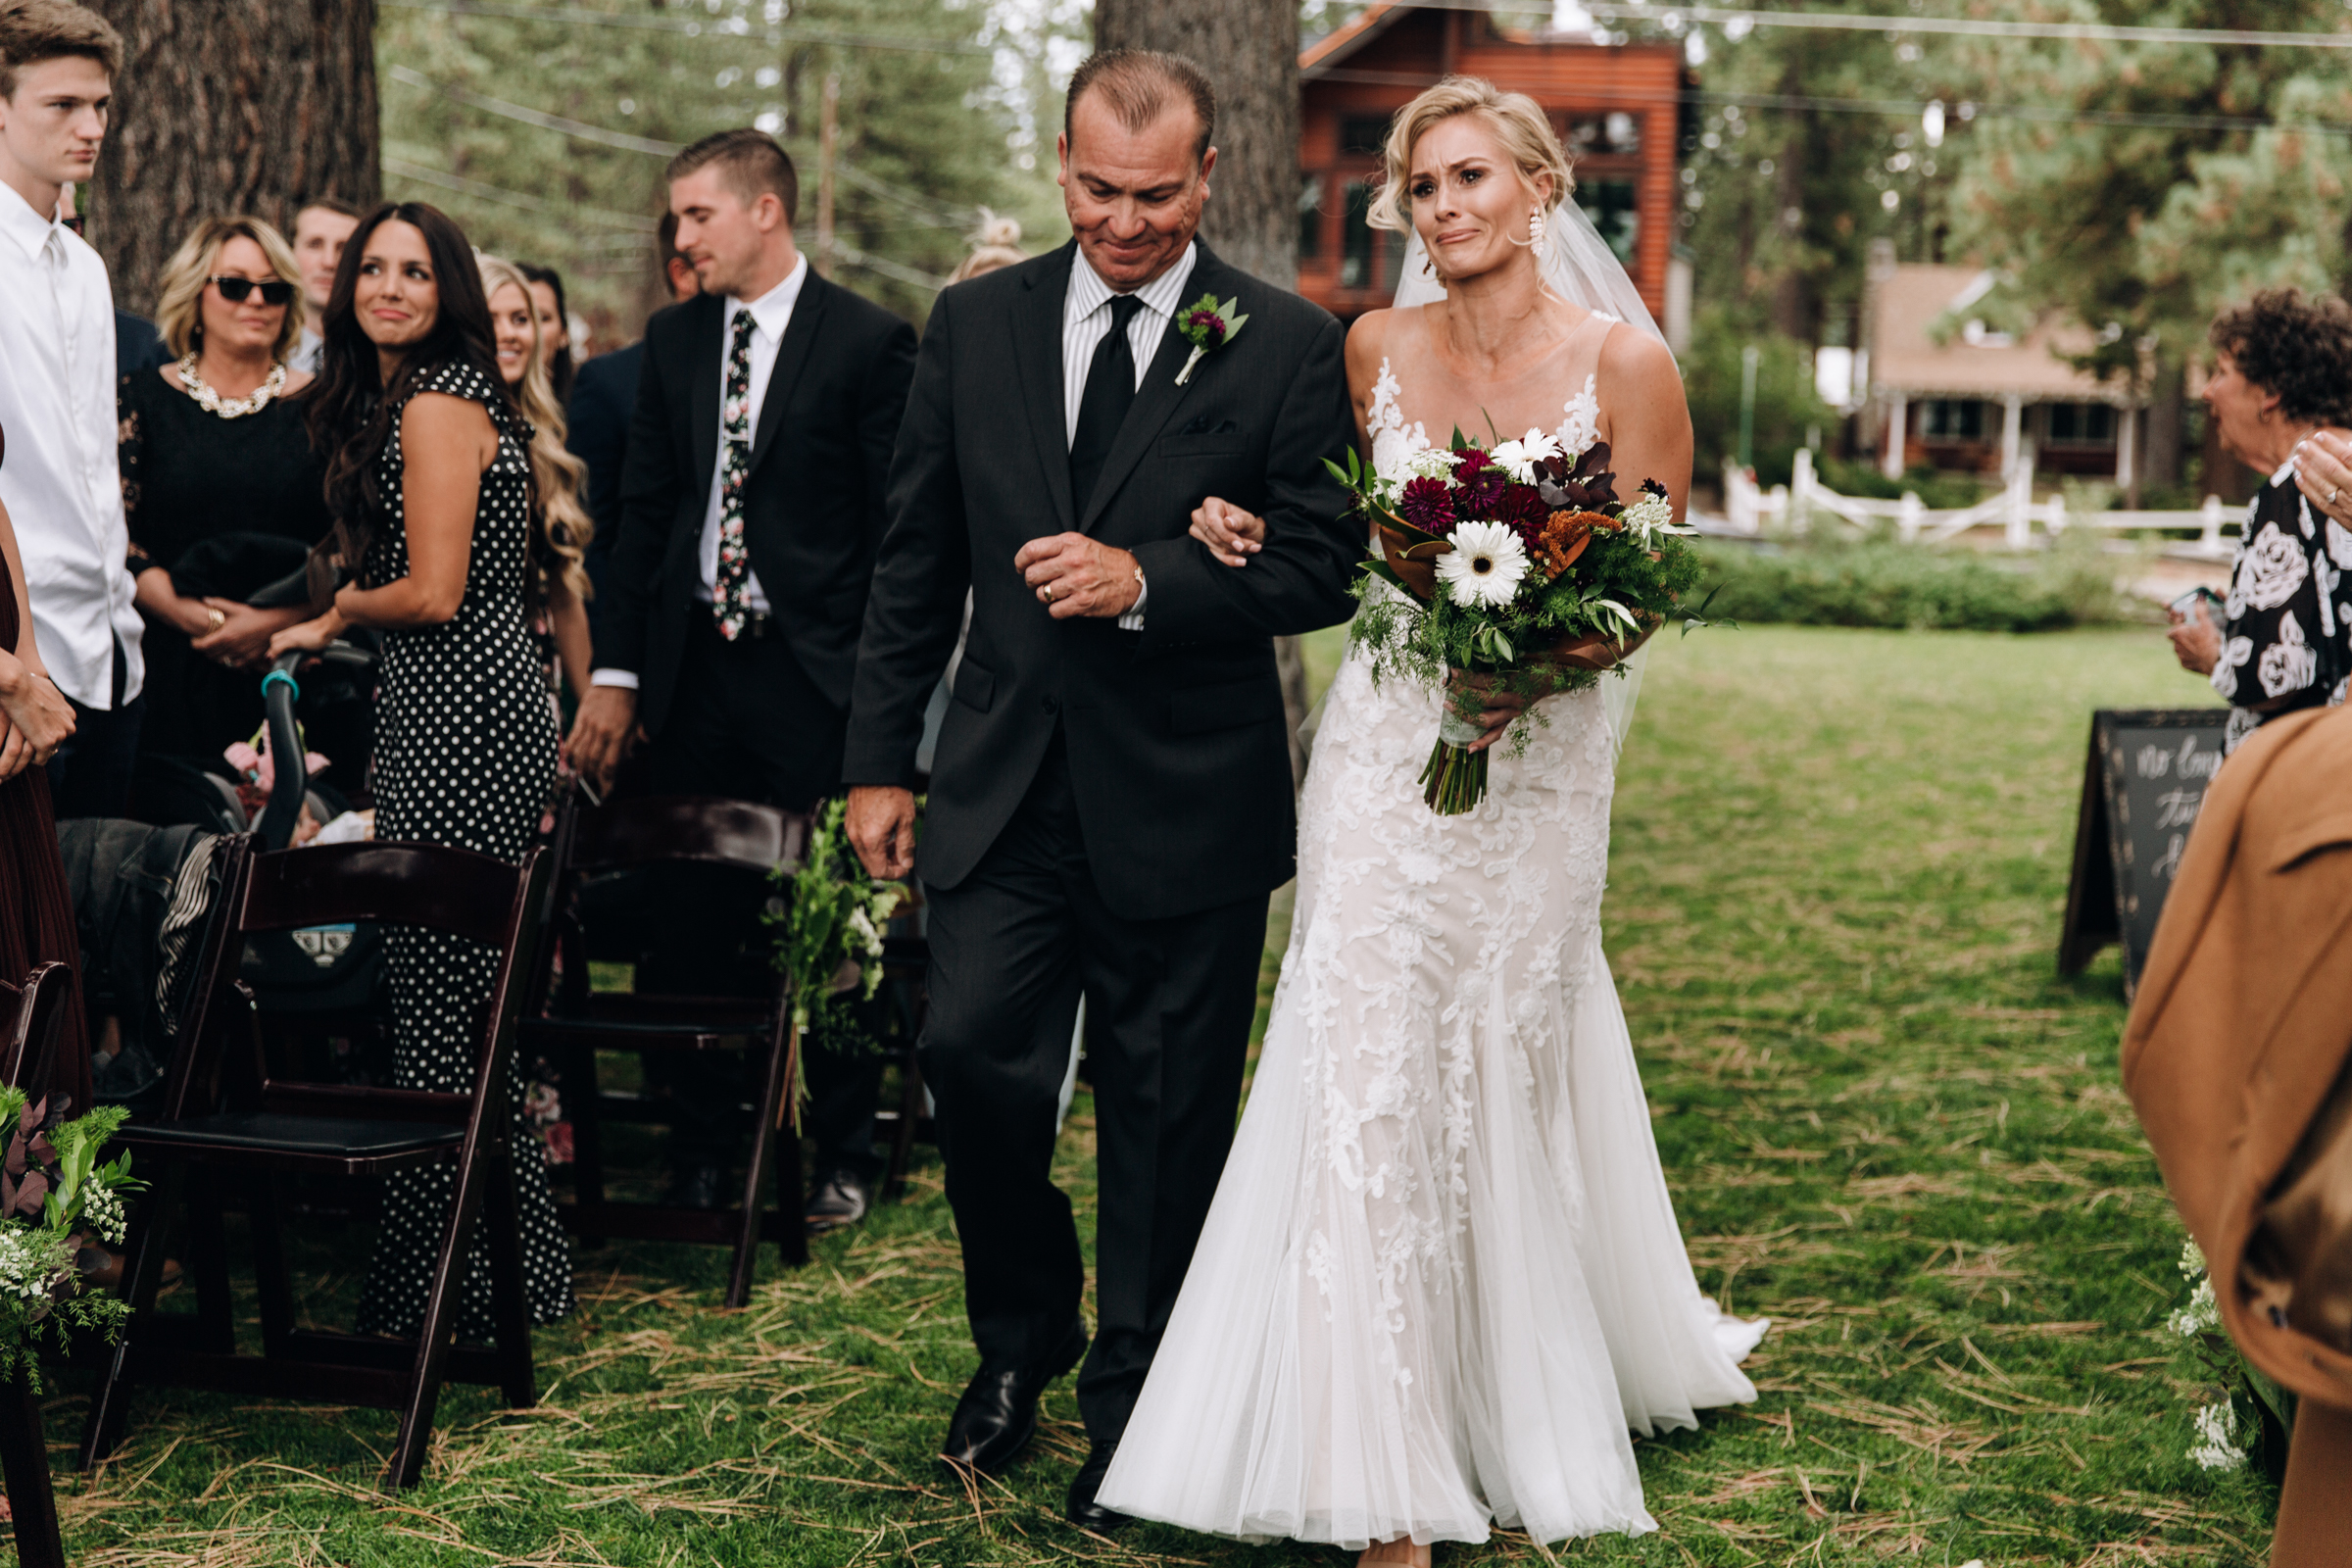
[(1535, 230)]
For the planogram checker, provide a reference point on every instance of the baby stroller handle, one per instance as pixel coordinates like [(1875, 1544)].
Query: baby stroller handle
[(280, 691)]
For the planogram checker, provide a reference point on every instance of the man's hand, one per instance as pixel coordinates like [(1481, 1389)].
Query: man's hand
[(2196, 641), (602, 733), (1232, 534), (880, 821), (1072, 575)]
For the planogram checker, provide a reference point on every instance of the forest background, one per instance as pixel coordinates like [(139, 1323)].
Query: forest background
[(2131, 186)]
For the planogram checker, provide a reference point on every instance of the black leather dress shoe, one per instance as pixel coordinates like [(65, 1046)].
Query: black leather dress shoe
[(996, 1416), (697, 1187), (1085, 1511), (840, 1198)]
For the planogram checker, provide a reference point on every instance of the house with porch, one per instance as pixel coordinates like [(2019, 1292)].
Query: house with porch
[(1950, 388)]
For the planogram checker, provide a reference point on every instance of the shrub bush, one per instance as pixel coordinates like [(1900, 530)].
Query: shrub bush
[(1879, 583)]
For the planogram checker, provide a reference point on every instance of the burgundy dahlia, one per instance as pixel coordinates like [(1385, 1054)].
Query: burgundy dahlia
[(1208, 321), (1428, 505), (1525, 512), (1482, 483)]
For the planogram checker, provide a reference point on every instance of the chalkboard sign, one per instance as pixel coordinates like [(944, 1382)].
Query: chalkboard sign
[(2142, 791)]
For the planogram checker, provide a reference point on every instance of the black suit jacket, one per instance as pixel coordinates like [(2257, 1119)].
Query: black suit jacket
[(814, 504), (604, 398), (1178, 752)]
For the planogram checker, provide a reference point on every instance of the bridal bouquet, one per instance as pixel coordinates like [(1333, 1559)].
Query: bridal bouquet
[(1515, 560)]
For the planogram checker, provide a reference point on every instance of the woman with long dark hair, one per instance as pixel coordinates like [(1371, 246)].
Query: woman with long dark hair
[(429, 473), (555, 326)]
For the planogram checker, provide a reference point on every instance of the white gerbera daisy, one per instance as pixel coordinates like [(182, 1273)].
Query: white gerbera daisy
[(1519, 458), (1484, 566)]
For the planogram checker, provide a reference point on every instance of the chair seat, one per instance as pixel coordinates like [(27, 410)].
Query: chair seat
[(645, 1034), (264, 1132)]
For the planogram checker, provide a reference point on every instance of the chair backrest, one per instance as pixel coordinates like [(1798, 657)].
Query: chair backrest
[(701, 828), (430, 885), (32, 1017)]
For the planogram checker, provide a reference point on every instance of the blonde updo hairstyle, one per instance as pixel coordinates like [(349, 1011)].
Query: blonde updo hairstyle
[(1517, 120), (995, 243), (179, 302), (561, 525)]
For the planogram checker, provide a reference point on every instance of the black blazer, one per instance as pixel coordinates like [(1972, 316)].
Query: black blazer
[(1178, 752), (812, 506), (603, 399)]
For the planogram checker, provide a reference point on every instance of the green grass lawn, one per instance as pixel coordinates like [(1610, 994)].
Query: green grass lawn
[(1839, 858)]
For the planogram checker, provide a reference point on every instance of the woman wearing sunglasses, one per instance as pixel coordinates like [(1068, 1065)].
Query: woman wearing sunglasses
[(222, 492)]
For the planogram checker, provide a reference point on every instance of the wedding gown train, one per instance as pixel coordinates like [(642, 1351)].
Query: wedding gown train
[(1442, 1278)]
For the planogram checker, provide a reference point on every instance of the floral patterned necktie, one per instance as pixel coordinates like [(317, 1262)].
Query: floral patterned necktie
[(735, 428)]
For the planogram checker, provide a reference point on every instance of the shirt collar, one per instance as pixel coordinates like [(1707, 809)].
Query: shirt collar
[(773, 308), (1088, 293), (25, 224)]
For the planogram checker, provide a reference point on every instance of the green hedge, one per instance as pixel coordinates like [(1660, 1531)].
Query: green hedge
[(1896, 585)]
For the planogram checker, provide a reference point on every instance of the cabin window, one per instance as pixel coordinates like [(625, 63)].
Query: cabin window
[(1363, 133), (1951, 420), (1310, 218), (2082, 425), (1611, 206), (1369, 258)]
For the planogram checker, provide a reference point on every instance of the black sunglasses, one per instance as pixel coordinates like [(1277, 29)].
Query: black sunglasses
[(275, 291)]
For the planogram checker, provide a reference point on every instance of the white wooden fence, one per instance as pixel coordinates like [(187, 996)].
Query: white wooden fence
[(1793, 509)]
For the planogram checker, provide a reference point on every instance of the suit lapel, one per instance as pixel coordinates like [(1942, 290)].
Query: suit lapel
[(703, 370), (792, 355), (1158, 398), (1037, 357)]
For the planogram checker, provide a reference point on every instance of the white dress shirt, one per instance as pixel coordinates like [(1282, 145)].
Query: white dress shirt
[(1085, 318), (307, 353), (59, 479), (771, 314)]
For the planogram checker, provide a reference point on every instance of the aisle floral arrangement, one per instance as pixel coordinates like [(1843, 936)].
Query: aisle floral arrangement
[(1516, 562), (829, 940), (2254, 1416), (52, 1198)]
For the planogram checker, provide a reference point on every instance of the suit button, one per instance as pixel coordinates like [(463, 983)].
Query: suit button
[(1049, 705)]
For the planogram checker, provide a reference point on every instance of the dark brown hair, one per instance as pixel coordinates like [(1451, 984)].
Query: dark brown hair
[(352, 409), (2297, 348), (561, 367), (1141, 85), (751, 162), (34, 30), (326, 204)]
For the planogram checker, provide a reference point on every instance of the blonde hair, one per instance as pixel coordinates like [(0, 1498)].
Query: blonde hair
[(562, 524), (995, 243), (179, 306), (1517, 120)]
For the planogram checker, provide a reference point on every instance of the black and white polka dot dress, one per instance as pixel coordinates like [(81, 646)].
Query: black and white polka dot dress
[(465, 755)]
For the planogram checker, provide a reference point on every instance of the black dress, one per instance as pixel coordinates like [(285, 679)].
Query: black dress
[(2288, 640), (204, 495), (465, 756)]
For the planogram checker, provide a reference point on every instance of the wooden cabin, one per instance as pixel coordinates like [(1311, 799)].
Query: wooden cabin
[(1616, 109)]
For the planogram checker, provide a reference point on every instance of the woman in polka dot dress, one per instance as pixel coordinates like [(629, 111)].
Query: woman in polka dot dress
[(429, 475)]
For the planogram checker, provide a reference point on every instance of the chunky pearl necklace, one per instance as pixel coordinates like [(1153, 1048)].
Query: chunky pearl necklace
[(213, 403)]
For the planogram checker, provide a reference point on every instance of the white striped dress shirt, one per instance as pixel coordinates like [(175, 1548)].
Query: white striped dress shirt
[(1085, 317)]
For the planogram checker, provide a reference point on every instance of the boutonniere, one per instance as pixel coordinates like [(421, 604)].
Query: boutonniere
[(1210, 325)]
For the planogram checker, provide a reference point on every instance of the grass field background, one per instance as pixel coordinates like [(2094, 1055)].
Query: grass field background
[(1838, 863)]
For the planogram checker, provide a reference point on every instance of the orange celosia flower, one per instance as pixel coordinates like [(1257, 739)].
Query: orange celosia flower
[(1564, 538)]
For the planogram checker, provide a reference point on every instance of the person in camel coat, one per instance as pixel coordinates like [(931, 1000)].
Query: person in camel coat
[(2239, 1060)]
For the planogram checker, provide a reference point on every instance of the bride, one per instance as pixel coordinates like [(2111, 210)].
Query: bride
[(1441, 1277)]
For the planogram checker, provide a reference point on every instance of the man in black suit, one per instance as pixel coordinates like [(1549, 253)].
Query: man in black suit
[(603, 399), (1111, 800), (752, 507)]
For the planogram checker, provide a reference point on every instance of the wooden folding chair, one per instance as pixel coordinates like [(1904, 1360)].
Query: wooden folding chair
[(631, 836), (227, 1117), (31, 1016)]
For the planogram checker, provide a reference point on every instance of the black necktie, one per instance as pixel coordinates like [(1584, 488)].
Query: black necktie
[(1109, 389)]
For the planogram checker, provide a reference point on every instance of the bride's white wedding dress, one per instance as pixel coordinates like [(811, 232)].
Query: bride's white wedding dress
[(1441, 1277)]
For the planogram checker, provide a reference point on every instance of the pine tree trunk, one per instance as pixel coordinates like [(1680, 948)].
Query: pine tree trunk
[(229, 109), (1249, 49)]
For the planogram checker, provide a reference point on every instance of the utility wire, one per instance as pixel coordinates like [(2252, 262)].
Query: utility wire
[(533, 116), (514, 198), (1903, 108), (1966, 26), (724, 29)]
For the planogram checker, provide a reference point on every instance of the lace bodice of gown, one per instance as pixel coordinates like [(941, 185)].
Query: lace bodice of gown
[(1443, 1277)]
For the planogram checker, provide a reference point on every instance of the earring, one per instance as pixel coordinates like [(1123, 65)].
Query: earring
[(1428, 267), (1535, 231)]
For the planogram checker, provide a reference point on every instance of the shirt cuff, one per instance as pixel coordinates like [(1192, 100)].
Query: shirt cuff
[(1133, 618), (625, 679)]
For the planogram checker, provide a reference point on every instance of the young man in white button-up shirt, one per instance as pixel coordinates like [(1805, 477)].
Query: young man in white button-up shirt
[(57, 395)]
